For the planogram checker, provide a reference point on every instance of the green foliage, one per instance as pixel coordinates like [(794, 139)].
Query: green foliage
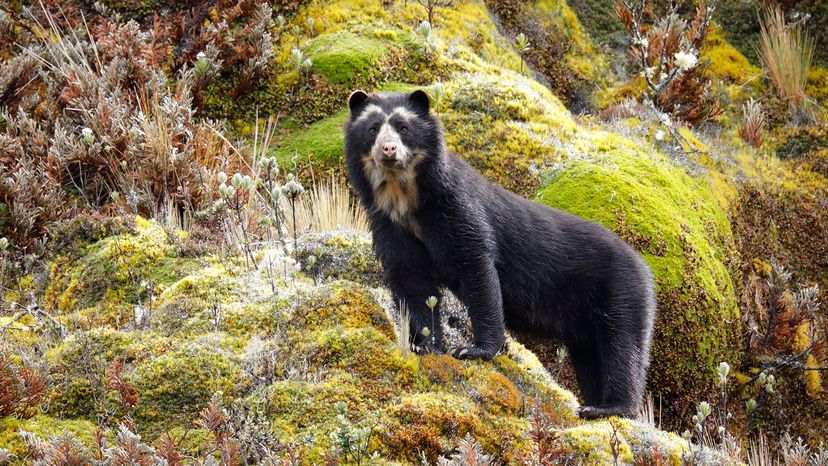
[(177, 384)]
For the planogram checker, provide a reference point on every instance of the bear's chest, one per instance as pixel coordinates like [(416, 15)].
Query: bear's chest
[(398, 199), (395, 195)]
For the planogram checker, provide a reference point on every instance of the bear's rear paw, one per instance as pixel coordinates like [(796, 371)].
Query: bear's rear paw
[(594, 412), (471, 352)]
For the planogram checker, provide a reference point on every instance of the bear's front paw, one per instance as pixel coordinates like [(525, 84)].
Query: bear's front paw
[(421, 349), (471, 352)]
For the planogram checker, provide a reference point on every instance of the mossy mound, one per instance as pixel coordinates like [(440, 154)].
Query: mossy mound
[(505, 125), (726, 62), (177, 384), (342, 56), (221, 334), (111, 268), (684, 235)]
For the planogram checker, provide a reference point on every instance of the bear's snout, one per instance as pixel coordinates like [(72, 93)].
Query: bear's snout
[(389, 149)]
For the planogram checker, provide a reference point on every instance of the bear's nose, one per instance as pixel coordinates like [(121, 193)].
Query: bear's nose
[(389, 149)]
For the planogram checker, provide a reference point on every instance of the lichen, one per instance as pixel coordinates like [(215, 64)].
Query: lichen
[(340, 255)]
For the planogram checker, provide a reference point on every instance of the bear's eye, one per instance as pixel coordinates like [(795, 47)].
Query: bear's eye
[(404, 129), (372, 130)]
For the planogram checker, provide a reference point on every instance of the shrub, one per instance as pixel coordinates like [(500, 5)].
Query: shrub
[(22, 388), (549, 47), (666, 52)]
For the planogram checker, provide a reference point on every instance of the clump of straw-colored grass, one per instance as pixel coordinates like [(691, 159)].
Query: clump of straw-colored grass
[(786, 51), (330, 206)]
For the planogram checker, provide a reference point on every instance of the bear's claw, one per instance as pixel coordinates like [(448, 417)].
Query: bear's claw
[(470, 352), (595, 412)]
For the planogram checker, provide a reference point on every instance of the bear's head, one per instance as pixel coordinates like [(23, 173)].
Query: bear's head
[(392, 133)]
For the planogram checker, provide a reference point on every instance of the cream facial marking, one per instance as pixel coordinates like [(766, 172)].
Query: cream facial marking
[(388, 146), (404, 113), (368, 112)]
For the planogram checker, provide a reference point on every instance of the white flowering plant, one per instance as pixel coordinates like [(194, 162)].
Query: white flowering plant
[(665, 50)]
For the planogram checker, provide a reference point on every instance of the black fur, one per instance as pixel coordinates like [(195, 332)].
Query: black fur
[(514, 263)]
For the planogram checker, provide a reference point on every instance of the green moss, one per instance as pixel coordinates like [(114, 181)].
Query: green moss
[(502, 124), (177, 384), (121, 269), (683, 234), (45, 427), (189, 304), (78, 362), (726, 62), (342, 56), (322, 141)]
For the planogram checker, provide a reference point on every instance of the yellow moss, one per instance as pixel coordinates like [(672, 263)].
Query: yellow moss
[(800, 343), (45, 427), (726, 62), (593, 442), (346, 305), (632, 89), (817, 85)]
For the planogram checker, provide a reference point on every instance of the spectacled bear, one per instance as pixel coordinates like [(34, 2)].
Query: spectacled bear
[(512, 262)]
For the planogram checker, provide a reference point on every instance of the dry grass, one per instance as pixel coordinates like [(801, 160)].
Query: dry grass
[(404, 334), (759, 453), (647, 412), (786, 51), (752, 124), (330, 206)]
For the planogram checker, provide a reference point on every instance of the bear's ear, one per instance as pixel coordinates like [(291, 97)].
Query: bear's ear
[(420, 101), (357, 102)]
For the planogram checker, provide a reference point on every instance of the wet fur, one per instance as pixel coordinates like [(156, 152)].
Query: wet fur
[(514, 263)]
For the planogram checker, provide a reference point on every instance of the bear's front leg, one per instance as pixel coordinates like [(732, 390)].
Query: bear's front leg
[(409, 273), (480, 291), (413, 290), (425, 329)]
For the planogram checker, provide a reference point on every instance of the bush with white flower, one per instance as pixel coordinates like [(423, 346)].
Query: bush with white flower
[(665, 50)]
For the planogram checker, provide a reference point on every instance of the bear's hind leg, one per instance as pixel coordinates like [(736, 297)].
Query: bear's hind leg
[(587, 364), (621, 376)]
